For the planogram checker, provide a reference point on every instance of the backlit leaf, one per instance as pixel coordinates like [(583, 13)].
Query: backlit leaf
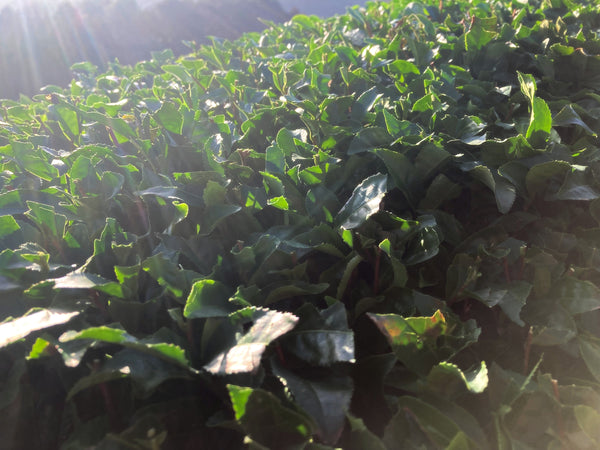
[(12, 330), (246, 354)]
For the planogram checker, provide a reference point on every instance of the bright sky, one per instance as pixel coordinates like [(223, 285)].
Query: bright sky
[(319, 7)]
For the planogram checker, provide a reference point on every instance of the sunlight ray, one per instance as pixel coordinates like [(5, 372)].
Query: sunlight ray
[(30, 50)]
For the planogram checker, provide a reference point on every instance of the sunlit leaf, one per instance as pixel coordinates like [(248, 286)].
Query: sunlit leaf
[(170, 352), (363, 203), (246, 354), (12, 330)]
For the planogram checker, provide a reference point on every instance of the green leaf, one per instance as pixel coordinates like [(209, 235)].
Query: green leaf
[(412, 338), (166, 351), (528, 85), (322, 337), (540, 175), (8, 226), (439, 429), (12, 330), (589, 347), (326, 399), (368, 139), (169, 275), (245, 355), (541, 119), (111, 184), (266, 420), (363, 203), (460, 441), (80, 280), (39, 348), (553, 326), (209, 298), (568, 116), (577, 296), (119, 126), (482, 31), (577, 186), (540, 122), (365, 102), (504, 191), (11, 386), (68, 119), (38, 166), (403, 67), (285, 141), (170, 117), (510, 297), (446, 378), (589, 421), (425, 103), (361, 437), (47, 219), (294, 289), (275, 159), (423, 247), (400, 169), (146, 371)]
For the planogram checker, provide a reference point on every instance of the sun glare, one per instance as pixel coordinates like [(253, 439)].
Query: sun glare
[(66, 33)]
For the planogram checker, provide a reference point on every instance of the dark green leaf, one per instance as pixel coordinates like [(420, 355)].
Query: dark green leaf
[(589, 421), (369, 139), (438, 428), (577, 296), (568, 116), (363, 203), (267, 421), (510, 297), (322, 338), (327, 400), (590, 352)]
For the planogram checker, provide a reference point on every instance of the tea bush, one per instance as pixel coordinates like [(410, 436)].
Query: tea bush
[(375, 231)]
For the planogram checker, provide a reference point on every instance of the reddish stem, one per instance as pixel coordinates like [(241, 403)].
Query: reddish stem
[(111, 410), (280, 353), (510, 113), (113, 138), (142, 213)]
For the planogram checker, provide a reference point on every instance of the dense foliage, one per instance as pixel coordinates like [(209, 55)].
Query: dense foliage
[(40, 40), (379, 230)]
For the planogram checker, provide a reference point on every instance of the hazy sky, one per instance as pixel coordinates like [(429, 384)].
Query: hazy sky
[(322, 8)]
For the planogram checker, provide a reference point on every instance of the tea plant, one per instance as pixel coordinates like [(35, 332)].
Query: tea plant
[(375, 231)]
